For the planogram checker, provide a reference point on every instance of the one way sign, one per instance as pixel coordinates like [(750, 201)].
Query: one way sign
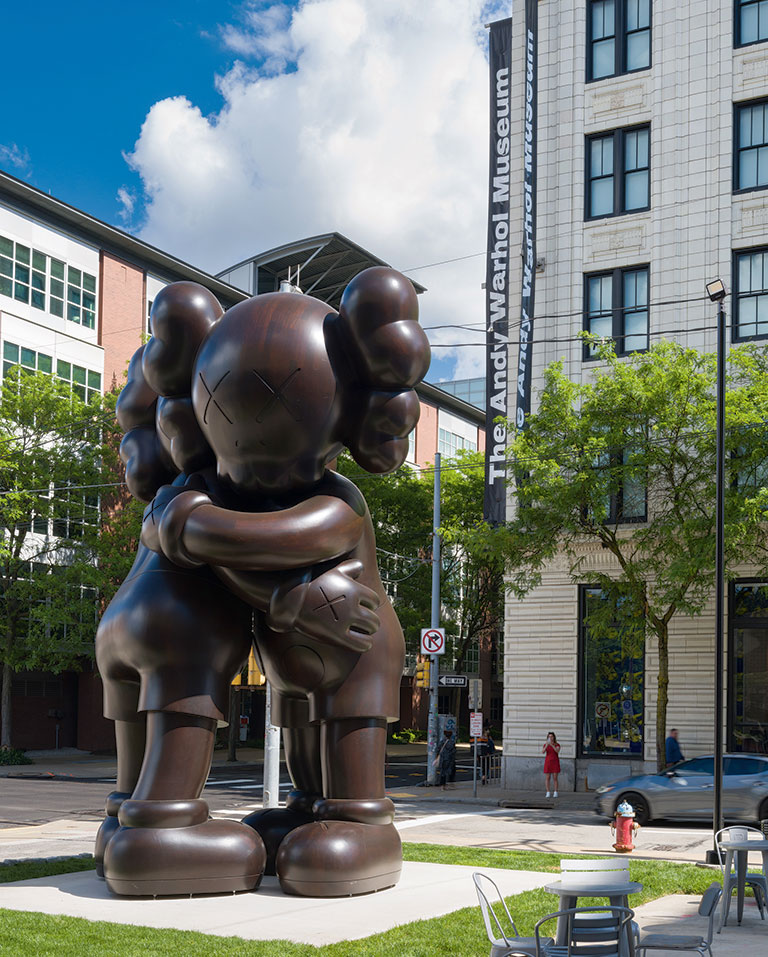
[(452, 681)]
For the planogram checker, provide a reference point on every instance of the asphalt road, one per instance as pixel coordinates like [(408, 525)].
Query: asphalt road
[(38, 799)]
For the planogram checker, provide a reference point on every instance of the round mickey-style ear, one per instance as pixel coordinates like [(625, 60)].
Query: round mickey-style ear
[(383, 352), (182, 315), (379, 314), (147, 466)]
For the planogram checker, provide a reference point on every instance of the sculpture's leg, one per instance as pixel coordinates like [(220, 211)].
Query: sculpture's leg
[(353, 847), (130, 737), (302, 756), (166, 844)]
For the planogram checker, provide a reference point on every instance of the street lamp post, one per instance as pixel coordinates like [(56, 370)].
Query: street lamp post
[(716, 293)]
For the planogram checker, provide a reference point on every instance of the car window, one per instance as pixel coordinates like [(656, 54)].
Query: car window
[(744, 766), (696, 766)]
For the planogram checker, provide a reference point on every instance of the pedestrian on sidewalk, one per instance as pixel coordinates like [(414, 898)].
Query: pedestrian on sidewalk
[(445, 760), (487, 749), (551, 751), (672, 748)]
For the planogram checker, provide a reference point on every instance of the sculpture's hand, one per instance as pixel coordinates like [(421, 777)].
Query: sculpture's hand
[(333, 607), (164, 520)]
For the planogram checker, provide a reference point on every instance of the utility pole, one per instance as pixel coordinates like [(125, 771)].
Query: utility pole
[(432, 726), (271, 756)]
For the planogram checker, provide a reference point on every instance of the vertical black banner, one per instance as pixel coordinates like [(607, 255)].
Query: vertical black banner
[(497, 272), (498, 255)]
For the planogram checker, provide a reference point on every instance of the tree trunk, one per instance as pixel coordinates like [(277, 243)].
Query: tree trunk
[(234, 723), (662, 635), (5, 707)]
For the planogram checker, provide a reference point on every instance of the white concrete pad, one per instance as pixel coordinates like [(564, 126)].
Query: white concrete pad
[(424, 891), (55, 839)]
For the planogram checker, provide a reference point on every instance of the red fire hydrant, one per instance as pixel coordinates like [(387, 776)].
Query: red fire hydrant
[(624, 826)]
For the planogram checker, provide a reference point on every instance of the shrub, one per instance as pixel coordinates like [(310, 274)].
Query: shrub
[(14, 756)]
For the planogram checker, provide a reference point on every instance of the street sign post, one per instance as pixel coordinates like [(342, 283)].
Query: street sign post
[(452, 681), (433, 641), (475, 731)]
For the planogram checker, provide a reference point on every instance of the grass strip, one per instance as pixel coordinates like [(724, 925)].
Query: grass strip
[(458, 934)]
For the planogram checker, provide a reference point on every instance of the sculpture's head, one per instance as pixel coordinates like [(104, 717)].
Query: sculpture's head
[(281, 382)]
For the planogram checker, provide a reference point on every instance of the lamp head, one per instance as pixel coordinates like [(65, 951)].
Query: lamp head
[(716, 290)]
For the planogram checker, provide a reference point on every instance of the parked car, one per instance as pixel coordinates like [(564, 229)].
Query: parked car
[(685, 792)]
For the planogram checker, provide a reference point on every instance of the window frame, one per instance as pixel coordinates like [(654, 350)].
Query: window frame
[(618, 309), (581, 751), (618, 136), (739, 190), (735, 622), (620, 35), (735, 325), (738, 43)]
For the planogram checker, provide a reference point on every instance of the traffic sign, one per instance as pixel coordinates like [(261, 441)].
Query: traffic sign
[(433, 641), (475, 694), (476, 724), (452, 681), (603, 710)]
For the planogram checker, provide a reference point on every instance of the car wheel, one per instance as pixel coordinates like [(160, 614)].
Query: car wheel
[(762, 814), (639, 804)]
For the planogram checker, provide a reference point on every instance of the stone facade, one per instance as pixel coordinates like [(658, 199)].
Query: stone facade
[(686, 238)]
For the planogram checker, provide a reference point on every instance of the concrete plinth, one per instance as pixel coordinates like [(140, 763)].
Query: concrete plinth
[(424, 891)]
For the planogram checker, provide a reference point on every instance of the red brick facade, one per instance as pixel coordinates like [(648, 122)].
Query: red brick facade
[(121, 310)]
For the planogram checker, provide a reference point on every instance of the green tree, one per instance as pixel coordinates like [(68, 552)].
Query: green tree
[(50, 475), (627, 460), (471, 584)]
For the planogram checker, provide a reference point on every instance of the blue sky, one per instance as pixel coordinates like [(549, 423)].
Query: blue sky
[(216, 130)]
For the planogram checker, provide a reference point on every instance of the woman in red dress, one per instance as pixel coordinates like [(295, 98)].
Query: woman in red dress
[(551, 751)]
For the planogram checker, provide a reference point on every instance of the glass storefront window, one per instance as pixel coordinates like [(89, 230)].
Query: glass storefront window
[(748, 668), (612, 655)]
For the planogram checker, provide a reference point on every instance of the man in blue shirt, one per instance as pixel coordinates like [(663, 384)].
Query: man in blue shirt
[(674, 754)]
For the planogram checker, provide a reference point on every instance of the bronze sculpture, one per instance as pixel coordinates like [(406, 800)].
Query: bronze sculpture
[(231, 421)]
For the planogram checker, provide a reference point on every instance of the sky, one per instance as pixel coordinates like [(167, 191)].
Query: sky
[(217, 130)]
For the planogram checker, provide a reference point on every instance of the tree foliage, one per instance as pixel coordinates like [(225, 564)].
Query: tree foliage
[(401, 507), (50, 475), (640, 432)]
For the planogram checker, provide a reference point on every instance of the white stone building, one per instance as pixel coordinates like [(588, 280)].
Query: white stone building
[(652, 178)]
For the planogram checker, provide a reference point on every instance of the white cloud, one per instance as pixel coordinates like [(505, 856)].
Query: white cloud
[(127, 200), (14, 155), (364, 117)]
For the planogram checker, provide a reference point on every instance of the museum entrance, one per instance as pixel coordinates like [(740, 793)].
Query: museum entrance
[(748, 667)]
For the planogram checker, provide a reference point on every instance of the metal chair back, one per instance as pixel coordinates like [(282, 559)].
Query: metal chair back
[(590, 932)]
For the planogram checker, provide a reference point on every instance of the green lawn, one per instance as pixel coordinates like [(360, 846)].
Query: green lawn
[(459, 934)]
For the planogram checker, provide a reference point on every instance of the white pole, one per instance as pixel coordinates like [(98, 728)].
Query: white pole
[(271, 756)]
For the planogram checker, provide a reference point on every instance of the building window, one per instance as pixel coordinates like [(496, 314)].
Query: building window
[(612, 669), (751, 294), (748, 667), (616, 307), (619, 34), (625, 490), (85, 383), (449, 443), (751, 161), (751, 21), (27, 275), (411, 457), (618, 172), (471, 658)]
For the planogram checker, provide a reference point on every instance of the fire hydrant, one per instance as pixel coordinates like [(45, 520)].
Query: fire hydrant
[(624, 826)]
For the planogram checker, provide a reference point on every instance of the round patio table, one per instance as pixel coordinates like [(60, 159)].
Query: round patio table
[(570, 891), (741, 851)]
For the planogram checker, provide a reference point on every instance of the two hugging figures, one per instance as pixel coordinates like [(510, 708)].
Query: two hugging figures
[(231, 420)]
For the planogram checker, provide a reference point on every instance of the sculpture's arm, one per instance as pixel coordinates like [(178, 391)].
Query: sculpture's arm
[(193, 532)]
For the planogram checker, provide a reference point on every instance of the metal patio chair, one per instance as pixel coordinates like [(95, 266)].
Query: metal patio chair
[(587, 931), (504, 943), (757, 881), (679, 942)]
